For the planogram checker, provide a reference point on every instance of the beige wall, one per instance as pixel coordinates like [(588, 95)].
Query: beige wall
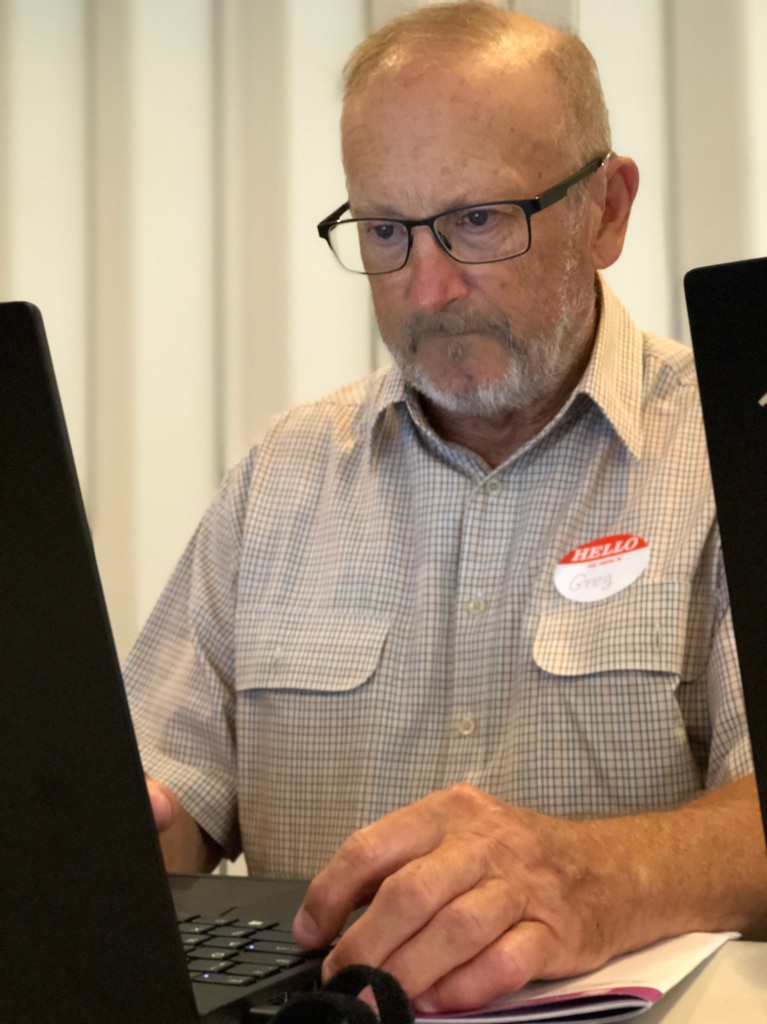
[(165, 162)]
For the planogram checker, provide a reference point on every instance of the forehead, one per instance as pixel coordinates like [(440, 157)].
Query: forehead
[(424, 138)]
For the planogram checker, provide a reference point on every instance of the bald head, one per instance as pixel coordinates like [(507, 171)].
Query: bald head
[(482, 39)]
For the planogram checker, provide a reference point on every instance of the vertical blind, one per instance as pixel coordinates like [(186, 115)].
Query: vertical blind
[(164, 163)]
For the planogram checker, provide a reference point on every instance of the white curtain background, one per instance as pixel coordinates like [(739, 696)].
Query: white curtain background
[(163, 164)]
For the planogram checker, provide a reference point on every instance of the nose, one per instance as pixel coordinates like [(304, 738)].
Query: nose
[(435, 280)]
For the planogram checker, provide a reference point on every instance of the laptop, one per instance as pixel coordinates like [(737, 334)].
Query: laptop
[(92, 929), (727, 309)]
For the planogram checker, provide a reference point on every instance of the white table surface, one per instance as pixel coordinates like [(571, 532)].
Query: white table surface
[(730, 988)]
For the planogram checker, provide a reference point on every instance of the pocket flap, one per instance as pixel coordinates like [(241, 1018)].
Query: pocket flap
[(642, 629), (310, 651)]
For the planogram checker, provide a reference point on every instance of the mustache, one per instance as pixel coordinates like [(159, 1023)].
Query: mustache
[(420, 327)]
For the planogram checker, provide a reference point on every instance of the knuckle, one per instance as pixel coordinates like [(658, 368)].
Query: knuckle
[(463, 925), (463, 792), (501, 967), (505, 961), (462, 798), (411, 890), (359, 853), (471, 985), (475, 809)]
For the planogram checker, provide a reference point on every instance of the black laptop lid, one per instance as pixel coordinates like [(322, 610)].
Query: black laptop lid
[(82, 879), (727, 308)]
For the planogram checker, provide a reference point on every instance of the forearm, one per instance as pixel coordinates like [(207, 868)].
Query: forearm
[(701, 868)]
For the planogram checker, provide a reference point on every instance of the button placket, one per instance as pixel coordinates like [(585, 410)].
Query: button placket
[(481, 573)]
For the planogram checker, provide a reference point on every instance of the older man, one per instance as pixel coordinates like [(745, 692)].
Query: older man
[(461, 630)]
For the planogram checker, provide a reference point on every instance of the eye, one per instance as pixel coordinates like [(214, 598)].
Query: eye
[(478, 218), (485, 221), (383, 231)]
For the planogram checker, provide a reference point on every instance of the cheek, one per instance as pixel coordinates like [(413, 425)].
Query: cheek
[(519, 295), (532, 293), (388, 302)]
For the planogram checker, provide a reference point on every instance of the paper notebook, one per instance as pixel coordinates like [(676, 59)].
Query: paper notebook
[(622, 989)]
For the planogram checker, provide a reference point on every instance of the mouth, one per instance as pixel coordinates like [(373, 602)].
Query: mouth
[(455, 331)]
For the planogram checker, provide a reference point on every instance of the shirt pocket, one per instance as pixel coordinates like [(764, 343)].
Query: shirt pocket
[(642, 630), (310, 651), (607, 717)]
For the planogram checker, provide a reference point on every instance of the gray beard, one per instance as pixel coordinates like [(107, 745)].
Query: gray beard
[(536, 367)]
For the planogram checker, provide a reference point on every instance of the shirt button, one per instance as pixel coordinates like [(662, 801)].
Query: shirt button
[(493, 487), (477, 605), (466, 727)]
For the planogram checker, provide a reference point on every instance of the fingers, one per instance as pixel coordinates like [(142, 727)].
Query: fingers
[(401, 916), (525, 952), (163, 803), (382, 850), (457, 933), (468, 898), (186, 848), (353, 876), (448, 953)]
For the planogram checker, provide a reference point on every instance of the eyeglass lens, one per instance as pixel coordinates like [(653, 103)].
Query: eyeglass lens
[(479, 234)]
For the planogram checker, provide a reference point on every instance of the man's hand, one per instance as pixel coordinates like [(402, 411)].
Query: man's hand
[(165, 806), (185, 847), (471, 897)]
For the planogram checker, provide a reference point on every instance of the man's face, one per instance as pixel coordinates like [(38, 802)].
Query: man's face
[(475, 339)]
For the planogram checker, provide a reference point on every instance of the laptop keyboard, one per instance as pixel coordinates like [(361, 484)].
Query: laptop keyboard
[(229, 951)]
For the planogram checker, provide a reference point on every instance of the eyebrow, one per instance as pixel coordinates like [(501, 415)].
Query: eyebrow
[(389, 213)]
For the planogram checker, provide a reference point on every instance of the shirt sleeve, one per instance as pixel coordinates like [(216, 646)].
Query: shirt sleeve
[(179, 677), (730, 754)]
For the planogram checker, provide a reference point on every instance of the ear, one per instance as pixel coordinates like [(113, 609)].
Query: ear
[(621, 184)]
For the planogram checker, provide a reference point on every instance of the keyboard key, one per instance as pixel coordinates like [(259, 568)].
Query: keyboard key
[(223, 979), (195, 927), (234, 933), (217, 943), (253, 970), (206, 966), (206, 951), (288, 948), (276, 960)]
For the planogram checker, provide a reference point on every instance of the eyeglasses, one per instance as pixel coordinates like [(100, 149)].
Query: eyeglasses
[(486, 233)]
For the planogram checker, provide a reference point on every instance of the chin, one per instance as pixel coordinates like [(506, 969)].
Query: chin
[(532, 369), (471, 398)]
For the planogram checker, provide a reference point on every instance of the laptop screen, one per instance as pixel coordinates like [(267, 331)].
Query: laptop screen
[(727, 309)]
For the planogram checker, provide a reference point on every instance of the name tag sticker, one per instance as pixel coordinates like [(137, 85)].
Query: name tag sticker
[(601, 568)]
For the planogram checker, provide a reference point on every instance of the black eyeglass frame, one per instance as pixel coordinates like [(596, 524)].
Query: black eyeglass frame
[(528, 206)]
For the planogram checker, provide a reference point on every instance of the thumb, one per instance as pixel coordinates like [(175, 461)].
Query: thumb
[(163, 804)]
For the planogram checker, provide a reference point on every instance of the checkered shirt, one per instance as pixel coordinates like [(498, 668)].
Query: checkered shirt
[(366, 614)]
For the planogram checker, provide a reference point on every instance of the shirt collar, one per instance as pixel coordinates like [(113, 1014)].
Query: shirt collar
[(613, 377)]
